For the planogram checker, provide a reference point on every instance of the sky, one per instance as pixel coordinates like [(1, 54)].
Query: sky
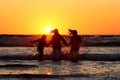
[(85, 16)]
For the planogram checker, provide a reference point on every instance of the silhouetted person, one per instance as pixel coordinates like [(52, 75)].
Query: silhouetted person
[(75, 42), (56, 42), (41, 44)]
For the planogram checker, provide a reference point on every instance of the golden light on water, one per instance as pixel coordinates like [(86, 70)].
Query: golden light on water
[(49, 73)]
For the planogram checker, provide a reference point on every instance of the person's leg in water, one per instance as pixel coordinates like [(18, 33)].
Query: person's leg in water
[(74, 53), (56, 53), (40, 55)]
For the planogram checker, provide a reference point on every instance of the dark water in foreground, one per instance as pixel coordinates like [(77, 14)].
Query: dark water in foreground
[(62, 70)]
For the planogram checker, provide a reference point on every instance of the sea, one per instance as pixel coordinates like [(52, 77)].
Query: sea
[(58, 70)]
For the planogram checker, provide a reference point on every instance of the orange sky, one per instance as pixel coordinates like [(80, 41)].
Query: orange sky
[(86, 16)]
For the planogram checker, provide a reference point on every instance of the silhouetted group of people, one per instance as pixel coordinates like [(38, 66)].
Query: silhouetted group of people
[(56, 40)]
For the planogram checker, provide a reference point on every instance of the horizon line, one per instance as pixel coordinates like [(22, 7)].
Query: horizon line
[(68, 34)]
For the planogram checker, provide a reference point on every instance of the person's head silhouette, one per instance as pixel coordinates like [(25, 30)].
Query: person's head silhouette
[(55, 31), (73, 32)]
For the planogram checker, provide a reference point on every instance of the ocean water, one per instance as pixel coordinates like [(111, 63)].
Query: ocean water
[(62, 70)]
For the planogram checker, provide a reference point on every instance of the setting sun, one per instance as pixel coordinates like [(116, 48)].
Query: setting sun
[(48, 29)]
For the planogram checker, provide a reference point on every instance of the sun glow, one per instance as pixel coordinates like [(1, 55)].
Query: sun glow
[(48, 29)]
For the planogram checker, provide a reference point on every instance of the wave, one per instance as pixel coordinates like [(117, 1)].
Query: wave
[(17, 66), (94, 57), (41, 75)]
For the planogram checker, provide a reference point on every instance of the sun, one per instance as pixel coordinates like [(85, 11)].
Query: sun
[(48, 29)]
